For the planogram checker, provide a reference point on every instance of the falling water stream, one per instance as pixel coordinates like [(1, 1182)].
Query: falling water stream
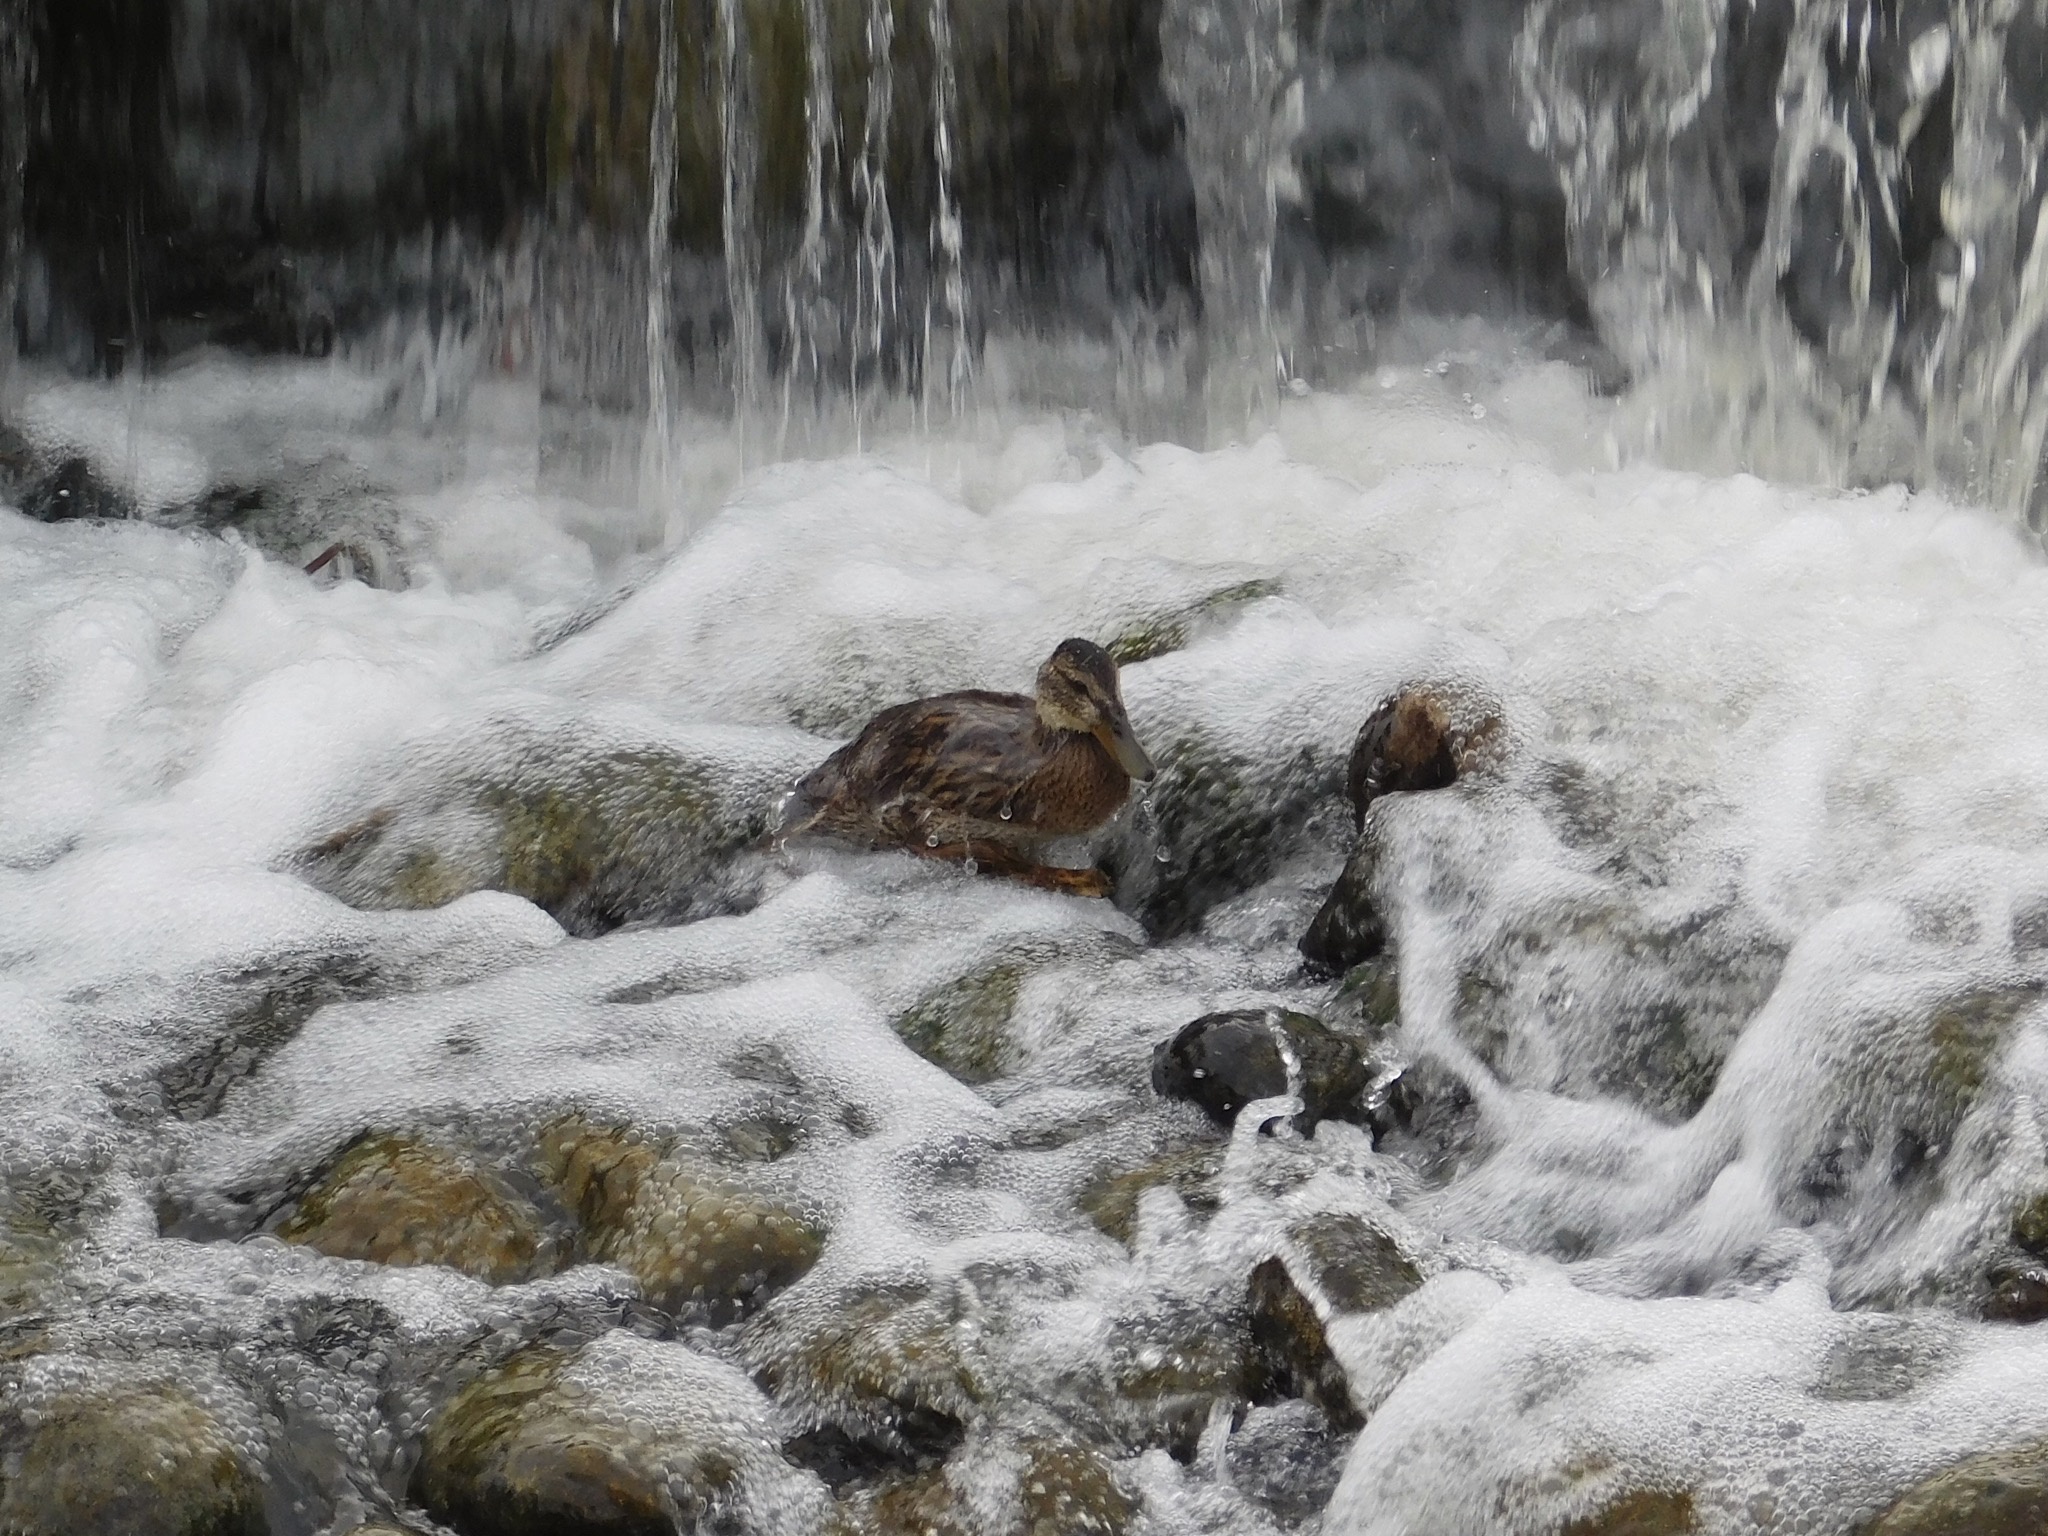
[(454, 487)]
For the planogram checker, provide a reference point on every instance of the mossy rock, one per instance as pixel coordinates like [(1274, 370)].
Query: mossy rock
[(597, 840), (520, 1453), (131, 1461), (2030, 1225), (1110, 1199), (1163, 633), (401, 1201), (1219, 824), (1291, 1352), (1353, 1264), (1644, 1513), (1223, 1061), (964, 1025), (1965, 1037), (885, 1364), (1061, 1489), (1166, 1375), (1368, 1001), (2004, 1493), (695, 1237)]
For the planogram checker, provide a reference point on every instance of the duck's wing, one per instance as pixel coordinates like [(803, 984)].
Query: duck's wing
[(957, 755)]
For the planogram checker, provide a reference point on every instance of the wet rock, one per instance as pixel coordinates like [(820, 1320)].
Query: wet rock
[(1348, 928), (1223, 1061), (1352, 1264), (1044, 1488), (883, 1364), (402, 1201), (1644, 1513), (1169, 1371), (195, 1087), (696, 1238), (1368, 1001), (1164, 633), (1291, 1352), (624, 1438), (596, 838), (1110, 1200), (1429, 1120), (2019, 1293), (1881, 1359), (1218, 824), (2030, 1226), (129, 1461), (2004, 1493), (964, 1025), (53, 484)]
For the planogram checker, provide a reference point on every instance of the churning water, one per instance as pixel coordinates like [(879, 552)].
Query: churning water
[(430, 1096)]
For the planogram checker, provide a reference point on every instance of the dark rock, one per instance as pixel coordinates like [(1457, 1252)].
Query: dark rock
[(1223, 1061), (2003, 1493), (2019, 1293), (1291, 1353), (964, 1025), (1062, 1489), (2030, 1226), (1347, 929), (129, 1461), (403, 1201), (1169, 1371), (1429, 1119), (1288, 1457)]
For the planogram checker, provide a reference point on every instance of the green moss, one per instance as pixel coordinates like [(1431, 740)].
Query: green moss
[(133, 1461), (1111, 1199), (1161, 634), (1355, 1265), (2004, 1493), (1966, 1036)]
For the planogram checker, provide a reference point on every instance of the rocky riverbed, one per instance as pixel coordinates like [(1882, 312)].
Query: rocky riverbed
[(1600, 1096)]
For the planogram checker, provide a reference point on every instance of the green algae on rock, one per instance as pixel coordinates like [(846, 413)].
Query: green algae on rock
[(1164, 633), (692, 1234), (2001, 1493), (130, 1460), (402, 1201), (1650, 1512), (594, 837), (964, 1025), (626, 1437), (1110, 1199)]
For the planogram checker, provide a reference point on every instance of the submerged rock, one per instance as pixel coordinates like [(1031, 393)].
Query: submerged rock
[(1110, 1200), (625, 1438), (402, 1201), (1348, 929), (2004, 1493), (1291, 1352), (1043, 1488), (964, 1025), (596, 838), (126, 1460), (1224, 1061), (1164, 633), (694, 1236), (1644, 1513), (1350, 1263)]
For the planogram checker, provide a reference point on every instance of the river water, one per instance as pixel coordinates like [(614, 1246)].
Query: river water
[(1712, 991)]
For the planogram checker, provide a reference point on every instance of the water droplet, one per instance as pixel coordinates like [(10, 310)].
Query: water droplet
[(931, 840), (971, 867), (1479, 413), (1162, 856), (1005, 813)]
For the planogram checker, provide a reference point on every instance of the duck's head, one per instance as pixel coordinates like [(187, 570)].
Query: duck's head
[(1077, 691)]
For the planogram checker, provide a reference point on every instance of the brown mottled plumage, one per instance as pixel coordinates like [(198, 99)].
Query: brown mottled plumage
[(985, 776)]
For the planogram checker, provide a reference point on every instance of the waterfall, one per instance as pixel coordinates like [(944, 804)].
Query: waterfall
[(945, 310), (657, 469), (874, 291), (740, 142), (1227, 65), (810, 313)]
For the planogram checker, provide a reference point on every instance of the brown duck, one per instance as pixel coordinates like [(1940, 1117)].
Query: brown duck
[(985, 777)]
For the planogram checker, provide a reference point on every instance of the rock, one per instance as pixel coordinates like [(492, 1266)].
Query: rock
[(1429, 1119), (1646, 1513), (402, 1201), (2019, 1293), (883, 1363), (1367, 1006), (130, 1461), (2030, 1226), (1044, 1488), (1223, 1061), (694, 1237), (2003, 1493), (596, 838), (1882, 1358), (1169, 1370), (964, 1025), (1215, 825), (1110, 1200), (1350, 1263), (1291, 1353), (625, 1438), (1164, 633), (1347, 929)]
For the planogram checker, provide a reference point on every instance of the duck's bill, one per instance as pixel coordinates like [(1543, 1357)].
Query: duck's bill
[(1117, 735)]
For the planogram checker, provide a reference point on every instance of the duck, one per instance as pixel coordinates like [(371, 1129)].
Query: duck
[(985, 779)]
